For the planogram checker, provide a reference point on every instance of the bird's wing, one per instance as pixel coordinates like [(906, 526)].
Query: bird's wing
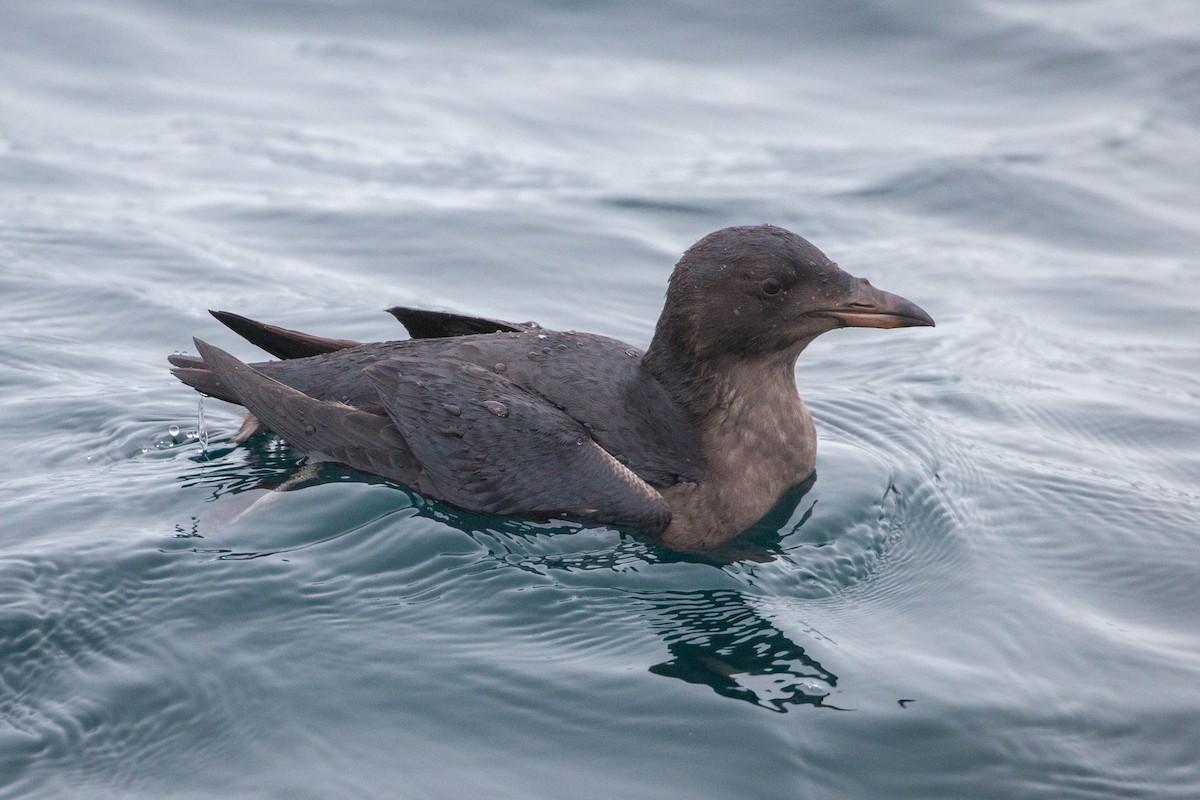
[(420, 323), (357, 438), (280, 342), (486, 444), (423, 324)]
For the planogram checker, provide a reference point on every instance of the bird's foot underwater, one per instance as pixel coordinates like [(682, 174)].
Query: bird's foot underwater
[(269, 497)]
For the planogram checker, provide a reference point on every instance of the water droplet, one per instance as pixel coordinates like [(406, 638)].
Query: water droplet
[(452, 409), (579, 442), (541, 336), (545, 349), (500, 368), (496, 407), (570, 333), (532, 354), (562, 347), (309, 429), (173, 430), (631, 353)]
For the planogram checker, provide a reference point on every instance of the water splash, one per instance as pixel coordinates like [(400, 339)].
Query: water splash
[(201, 428)]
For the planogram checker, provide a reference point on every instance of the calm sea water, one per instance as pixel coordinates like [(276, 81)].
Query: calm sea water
[(992, 590)]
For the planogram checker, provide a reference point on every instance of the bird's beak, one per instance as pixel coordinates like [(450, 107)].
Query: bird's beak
[(868, 307)]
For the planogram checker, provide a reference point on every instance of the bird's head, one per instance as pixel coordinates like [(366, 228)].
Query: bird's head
[(759, 291)]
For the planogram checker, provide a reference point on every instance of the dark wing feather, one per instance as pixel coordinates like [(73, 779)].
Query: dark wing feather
[(358, 438), (280, 342), (204, 380), (485, 444), (185, 360), (423, 324)]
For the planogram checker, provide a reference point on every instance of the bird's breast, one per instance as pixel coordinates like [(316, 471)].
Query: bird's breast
[(754, 453)]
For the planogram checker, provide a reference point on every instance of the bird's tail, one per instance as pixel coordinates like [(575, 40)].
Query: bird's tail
[(195, 373)]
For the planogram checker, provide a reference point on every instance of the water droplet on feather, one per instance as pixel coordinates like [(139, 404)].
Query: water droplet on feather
[(496, 407)]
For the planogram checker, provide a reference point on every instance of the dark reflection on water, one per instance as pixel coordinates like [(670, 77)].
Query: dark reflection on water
[(717, 639), (264, 462)]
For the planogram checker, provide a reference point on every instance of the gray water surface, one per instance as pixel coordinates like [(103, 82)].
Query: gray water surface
[(990, 591)]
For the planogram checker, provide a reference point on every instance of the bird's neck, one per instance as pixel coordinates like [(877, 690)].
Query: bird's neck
[(709, 386), (745, 409)]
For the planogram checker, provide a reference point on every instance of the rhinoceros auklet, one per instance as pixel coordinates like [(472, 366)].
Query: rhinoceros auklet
[(691, 441)]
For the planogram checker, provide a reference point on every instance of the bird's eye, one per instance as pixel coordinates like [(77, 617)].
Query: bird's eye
[(771, 286)]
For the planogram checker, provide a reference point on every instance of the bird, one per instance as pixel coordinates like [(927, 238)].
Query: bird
[(689, 442)]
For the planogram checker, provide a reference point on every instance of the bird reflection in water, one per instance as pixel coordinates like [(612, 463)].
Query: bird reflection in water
[(717, 639)]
